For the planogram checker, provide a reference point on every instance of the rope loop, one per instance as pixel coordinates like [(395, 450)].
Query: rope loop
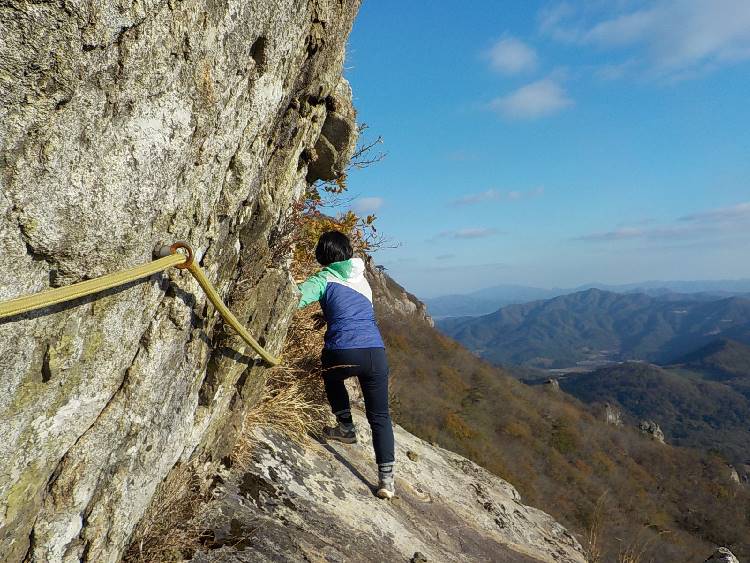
[(189, 251)]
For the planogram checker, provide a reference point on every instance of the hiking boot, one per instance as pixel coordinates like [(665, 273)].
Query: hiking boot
[(386, 489), (340, 434)]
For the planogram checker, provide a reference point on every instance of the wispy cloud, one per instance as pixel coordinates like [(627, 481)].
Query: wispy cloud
[(367, 204), (496, 195), (511, 56), (739, 212), (489, 195), (711, 223), (538, 99), (468, 233), (445, 256), (677, 38)]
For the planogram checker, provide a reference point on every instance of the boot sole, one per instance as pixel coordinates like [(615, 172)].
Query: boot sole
[(342, 440), (384, 494)]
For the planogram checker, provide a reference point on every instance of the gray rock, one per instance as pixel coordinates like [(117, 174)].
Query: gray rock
[(612, 415), (722, 555), (651, 429), (338, 137), (393, 300), (317, 504), (743, 472), (124, 125)]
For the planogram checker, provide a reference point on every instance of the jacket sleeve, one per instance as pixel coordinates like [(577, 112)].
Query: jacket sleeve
[(312, 289)]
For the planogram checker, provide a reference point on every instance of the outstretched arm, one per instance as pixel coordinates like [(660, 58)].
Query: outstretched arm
[(312, 289)]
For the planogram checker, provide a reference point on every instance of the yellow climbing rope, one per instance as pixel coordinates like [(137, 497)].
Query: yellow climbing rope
[(173, 258)]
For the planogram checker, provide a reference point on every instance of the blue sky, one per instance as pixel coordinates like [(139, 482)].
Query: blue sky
[(556, 143)]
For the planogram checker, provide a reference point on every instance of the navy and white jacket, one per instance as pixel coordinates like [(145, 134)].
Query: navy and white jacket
[(346, 300)]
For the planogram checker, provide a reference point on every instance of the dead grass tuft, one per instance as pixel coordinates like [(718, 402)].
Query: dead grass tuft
[(170, 530), (594, 549), (293, 400), (637, 550)]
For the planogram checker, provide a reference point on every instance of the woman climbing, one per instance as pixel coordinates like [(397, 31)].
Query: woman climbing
[(353, 347)]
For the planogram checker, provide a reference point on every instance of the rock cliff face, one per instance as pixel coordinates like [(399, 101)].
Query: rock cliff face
[(123, 125)]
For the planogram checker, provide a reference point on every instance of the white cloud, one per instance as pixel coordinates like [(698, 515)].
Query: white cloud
[(489, 195), (496, 195), (538, 99), (679, 38), (511, 56), (367, 204)]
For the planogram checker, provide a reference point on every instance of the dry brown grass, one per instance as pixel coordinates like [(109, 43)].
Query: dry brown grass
[(294, 400), (170, 530), (594, 549), (638, 550)]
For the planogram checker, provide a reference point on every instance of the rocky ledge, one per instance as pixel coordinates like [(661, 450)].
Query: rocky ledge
[(317, 504)]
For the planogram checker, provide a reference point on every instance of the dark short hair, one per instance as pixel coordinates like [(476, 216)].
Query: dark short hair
[(333, 246)]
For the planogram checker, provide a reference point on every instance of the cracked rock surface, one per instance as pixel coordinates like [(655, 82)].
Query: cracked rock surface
[(317, 504), (124, 125)]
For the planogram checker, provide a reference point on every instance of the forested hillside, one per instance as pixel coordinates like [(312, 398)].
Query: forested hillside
[(702, 402), (561, 456)]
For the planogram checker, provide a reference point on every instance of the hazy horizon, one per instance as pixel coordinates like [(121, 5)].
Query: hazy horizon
[(656, 284)]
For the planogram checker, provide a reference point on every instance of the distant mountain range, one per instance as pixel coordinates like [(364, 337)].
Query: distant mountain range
[(703, 402), (488, 300), (591, 327), (559, 454)]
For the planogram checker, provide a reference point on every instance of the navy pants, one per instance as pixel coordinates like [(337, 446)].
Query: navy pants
[(370, 366)]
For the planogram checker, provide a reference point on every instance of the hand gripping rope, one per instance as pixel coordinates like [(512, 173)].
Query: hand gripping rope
[(169, 256)]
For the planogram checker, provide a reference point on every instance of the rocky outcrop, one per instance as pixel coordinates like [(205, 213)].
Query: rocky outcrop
[(393, 300), (612, 415), (722, 555), (317, 504), (651, 429), (552, 384), (338, 139), (743, 472), (124, 125)]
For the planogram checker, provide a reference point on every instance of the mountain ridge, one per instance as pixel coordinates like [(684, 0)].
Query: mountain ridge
[(488, 300), (579, 327)]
